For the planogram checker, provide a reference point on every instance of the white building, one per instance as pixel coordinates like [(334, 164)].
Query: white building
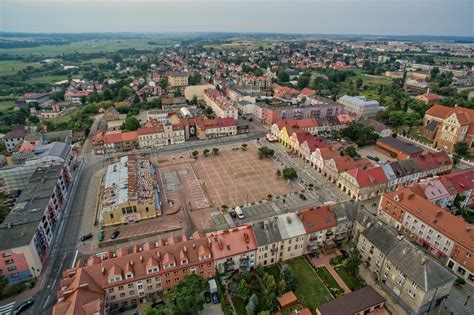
[(360, 106)]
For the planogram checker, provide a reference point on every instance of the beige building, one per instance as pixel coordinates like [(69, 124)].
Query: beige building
[(177, 79), (221, 106), (128, 192), (417, 281), (279, 238), (362, 184), (160, 135), (197, 90)]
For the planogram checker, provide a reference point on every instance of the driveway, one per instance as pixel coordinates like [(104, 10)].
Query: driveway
[(212, 309)]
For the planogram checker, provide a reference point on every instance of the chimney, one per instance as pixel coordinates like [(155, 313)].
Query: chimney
[(246, 238), (439, 213), (185, 249), (194, 246), (103, 270)]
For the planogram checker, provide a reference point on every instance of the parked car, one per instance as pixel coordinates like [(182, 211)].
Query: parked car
[(207, 297), (302, 196), (239, 212), (23, 306), (86, 237), (215, 298), (115, 234), (157, 304)]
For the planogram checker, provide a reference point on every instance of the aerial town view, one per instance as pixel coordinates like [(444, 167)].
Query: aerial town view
[(220, 157)]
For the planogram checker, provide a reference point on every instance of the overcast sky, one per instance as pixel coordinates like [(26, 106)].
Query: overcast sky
[(376, 17)]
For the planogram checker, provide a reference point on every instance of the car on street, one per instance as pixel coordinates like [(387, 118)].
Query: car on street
[(23, 306), (86, 237), (302, 196), (207, 297), (215, 298), (115, 234)]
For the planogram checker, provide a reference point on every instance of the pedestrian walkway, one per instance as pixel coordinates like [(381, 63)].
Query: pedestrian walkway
[(7, 309), (324, 261)]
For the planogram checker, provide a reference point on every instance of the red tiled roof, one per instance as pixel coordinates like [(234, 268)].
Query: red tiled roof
[(328, 153), (368, 177), (231, 242), (460, 181), (297, 123), (317, 219), (465, 116), (432, 160), (308, 92)]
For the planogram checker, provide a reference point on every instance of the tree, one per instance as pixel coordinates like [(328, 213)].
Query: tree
[(289, 173), (215, 151), (265, 152), (252, 305), (244, 146), (194, 79), (359, 83), (360, 133), (124, 92), (205, 152), (350, 151), (281, 287), (303, 80), (243, 290), (462, 149), (269, 282), (186, 296), (287, 274), (195, 154), (130, 124), (278, 173), (34, 119), (163, 83), (245, 274), (353, 262), (224, 208), (283, 76)]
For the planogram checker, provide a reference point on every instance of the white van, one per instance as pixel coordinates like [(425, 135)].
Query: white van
[(240, 213)]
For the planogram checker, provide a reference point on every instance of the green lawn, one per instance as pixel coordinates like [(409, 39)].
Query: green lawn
[(310, 291), (90, 46), (239, 305), (9, 67), (452, 59), (354, 283), (6, 105), (50, 79), (327, 278)]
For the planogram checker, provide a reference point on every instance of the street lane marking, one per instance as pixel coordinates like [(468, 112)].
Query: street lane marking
[(46, 302), (7, 308)]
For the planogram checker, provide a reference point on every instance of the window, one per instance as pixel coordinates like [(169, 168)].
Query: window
[(411, 293), (111, 215), (132, 292), (11, 268), (121, 288), (9, 261), (148, 280), (414, 285), (122, 295), (130, 285)]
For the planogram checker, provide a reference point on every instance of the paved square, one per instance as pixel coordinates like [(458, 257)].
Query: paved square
[(236, 177)]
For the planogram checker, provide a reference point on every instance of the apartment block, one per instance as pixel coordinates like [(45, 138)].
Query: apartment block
[(443, 234), (418, 282), (221, 106)]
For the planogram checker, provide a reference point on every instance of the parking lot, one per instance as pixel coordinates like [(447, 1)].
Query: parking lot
[(371, 151)]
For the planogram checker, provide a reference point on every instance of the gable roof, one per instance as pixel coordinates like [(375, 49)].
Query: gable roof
[(317, 219), (368, 177), (352, 303)]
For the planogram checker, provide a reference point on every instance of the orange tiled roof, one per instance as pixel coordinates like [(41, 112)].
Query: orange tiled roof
[(450, 225), (317, 219)]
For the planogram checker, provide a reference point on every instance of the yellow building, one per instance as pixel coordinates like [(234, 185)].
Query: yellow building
[(176, 79), (129, 193)]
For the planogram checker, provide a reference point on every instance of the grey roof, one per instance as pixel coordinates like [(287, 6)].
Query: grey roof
[(378, 127), (16, 133), (266, 232), (400, 145), (364, 217), (432, 125), (34, 136), (426, 272), (20, 225), (344, 212), (404, 167), (352, 303), (58, 149), (64, 136)]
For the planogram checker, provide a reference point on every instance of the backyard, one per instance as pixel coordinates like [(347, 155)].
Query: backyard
[(353, 282)]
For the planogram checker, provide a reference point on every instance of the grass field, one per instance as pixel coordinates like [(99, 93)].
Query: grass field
[(6, 105), (91, 46), (310, 291), (453, 59), (8, 67), (242, 44), (50, 79), (354, 283)]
